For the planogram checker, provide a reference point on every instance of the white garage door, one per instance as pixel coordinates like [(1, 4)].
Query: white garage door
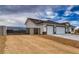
[(49, 30), (60, 30)]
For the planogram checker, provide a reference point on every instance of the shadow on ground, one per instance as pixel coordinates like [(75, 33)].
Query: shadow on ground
[(2, 44)]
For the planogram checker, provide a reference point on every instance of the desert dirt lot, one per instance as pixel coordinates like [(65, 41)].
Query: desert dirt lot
[(35, 44)]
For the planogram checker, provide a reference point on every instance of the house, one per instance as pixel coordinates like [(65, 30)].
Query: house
[(76, 30), (36, 26), (3, 30)]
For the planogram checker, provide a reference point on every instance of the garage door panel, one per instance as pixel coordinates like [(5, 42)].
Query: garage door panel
[(60, 30), (49, 30)]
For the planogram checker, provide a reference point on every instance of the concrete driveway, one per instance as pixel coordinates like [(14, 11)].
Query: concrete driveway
[(69, 36)]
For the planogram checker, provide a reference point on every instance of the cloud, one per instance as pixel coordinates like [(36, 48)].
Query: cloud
[(17, 14), (16, 19), (62, 20), (75, 8), (76, 12), (67, 13), (75, 23)]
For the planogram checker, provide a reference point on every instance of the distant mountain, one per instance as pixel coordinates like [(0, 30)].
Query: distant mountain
[(16, 28)]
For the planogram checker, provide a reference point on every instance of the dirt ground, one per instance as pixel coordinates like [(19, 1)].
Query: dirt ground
[(35, 44)]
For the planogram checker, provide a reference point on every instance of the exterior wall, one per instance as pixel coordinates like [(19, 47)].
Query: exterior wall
[(71, 31), (43, 27), (68, 29), (31, 31), (32, 25), (3, 30)]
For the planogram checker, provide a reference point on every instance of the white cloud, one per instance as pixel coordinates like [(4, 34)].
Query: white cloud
[(77, 12), (77, 27), (62, 21), (50, 13), (76, 23), (15, 19), (70, 7), (68, 12)]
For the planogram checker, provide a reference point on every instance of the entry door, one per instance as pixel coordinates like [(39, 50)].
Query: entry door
[(60, 30), (49, 30)]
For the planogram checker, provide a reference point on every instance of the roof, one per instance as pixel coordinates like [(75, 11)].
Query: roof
[(37, 21), (65, 23)]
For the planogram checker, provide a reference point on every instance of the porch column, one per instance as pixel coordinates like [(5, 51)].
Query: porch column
[(54, 29), (31, 31)]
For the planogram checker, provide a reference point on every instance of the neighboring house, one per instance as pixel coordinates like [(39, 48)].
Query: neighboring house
[(76, 30), (3, 30), (36, 26)]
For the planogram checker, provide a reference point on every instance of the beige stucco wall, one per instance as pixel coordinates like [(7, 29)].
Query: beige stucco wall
[(43, 26), (31, 31), (30, 24)]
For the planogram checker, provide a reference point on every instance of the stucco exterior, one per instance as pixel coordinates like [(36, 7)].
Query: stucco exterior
[(34, 23)]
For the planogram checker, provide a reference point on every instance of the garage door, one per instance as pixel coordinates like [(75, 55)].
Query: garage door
[(49, 30), (60, 30)]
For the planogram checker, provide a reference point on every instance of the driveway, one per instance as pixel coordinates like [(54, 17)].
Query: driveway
[(69, 36), (23, 44)]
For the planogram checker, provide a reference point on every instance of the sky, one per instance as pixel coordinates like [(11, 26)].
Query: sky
[(16, 15)]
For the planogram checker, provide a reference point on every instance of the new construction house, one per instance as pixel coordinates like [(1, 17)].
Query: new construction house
[(36, 26)]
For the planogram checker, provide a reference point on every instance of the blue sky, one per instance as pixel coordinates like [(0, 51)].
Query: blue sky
[(16, 15)]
